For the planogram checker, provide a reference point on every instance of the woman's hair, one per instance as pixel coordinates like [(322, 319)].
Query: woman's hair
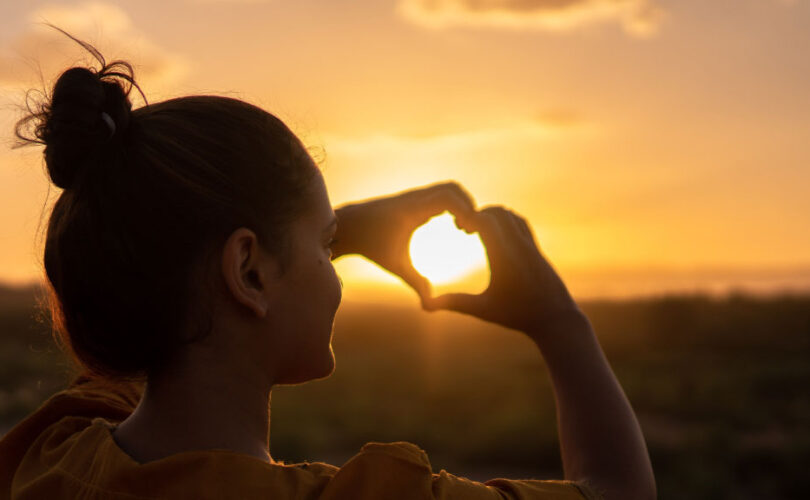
[(149, 197)]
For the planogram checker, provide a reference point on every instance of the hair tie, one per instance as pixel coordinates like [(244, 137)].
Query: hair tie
[(110, 123)]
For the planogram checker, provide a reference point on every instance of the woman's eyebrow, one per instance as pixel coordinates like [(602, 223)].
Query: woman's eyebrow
[(332, 223)]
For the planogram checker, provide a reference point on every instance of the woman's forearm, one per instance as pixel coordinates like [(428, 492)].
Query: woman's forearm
[(600, 439)]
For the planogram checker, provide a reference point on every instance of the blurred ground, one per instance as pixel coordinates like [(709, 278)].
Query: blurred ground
[(720, 387)]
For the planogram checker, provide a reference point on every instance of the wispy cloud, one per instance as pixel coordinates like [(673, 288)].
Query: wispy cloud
[(560, 117), (359, 166), (41, 51), (641, 18), (549, 124), (241, 2)]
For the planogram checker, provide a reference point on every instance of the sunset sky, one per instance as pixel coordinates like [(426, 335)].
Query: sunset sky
[(651, 144)]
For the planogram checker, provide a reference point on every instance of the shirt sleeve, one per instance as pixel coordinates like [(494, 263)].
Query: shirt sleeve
[(86, 396), (535, 488), (402, 470)]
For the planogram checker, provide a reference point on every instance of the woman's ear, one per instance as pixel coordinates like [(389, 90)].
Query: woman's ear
[(244, 269)]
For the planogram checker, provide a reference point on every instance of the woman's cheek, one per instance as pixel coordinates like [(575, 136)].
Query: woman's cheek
[(337, 285)]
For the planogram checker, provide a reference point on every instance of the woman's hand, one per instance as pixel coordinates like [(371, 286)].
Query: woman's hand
[(380, 229), (525, 292), (600, 439)]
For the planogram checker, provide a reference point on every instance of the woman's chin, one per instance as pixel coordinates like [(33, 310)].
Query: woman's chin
[(312, 371), (328, 367)]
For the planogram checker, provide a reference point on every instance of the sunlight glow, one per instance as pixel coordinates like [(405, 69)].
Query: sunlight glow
[(442, 253)]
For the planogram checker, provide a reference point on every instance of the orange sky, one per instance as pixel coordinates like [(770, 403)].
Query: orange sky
[(663, 143)]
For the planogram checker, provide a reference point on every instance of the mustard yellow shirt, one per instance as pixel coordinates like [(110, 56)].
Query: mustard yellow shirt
[(65, 450)]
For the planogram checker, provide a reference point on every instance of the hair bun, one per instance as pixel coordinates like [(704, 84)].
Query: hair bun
[(73, 128)]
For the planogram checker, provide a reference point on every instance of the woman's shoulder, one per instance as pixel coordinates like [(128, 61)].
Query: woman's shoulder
[(78, 456), (64, 414), (403, 470), (86, 396), (66, 447)]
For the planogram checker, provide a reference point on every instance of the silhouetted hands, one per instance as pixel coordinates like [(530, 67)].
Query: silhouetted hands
[(380, 229), (600, 438), (525, 292)]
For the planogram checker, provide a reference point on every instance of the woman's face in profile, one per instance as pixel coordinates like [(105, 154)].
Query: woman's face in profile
[(312, 293)]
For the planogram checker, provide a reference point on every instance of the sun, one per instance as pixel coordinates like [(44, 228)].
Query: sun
[(443, 254)]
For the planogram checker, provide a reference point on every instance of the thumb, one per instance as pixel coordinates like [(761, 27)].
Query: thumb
[(418, 282), (460, 302)]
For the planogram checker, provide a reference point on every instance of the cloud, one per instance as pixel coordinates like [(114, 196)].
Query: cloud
[(240, 2), (546, 125), (640, 18), (360, 165), (560, 117), (40, 51), (243, 2)]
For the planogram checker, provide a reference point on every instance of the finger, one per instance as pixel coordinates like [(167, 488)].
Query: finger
[(523, 240), (419, 283), (459, 302), (526, 230), (509, 219), (523, 225), (515, 228), (450, 187), (489, 226), (436, 199)]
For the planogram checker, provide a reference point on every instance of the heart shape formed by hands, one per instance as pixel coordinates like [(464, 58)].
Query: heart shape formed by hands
[(524, 292), (451, 259), (381, 229)]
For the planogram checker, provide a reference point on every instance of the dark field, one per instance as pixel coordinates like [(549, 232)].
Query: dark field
[(720, 386)]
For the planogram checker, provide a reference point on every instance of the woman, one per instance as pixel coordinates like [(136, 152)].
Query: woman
[(191, 249)]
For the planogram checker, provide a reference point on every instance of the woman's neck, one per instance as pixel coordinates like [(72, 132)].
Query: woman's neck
[(203, 405)]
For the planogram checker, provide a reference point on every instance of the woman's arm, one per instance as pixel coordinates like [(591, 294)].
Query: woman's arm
[(600, 439)]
